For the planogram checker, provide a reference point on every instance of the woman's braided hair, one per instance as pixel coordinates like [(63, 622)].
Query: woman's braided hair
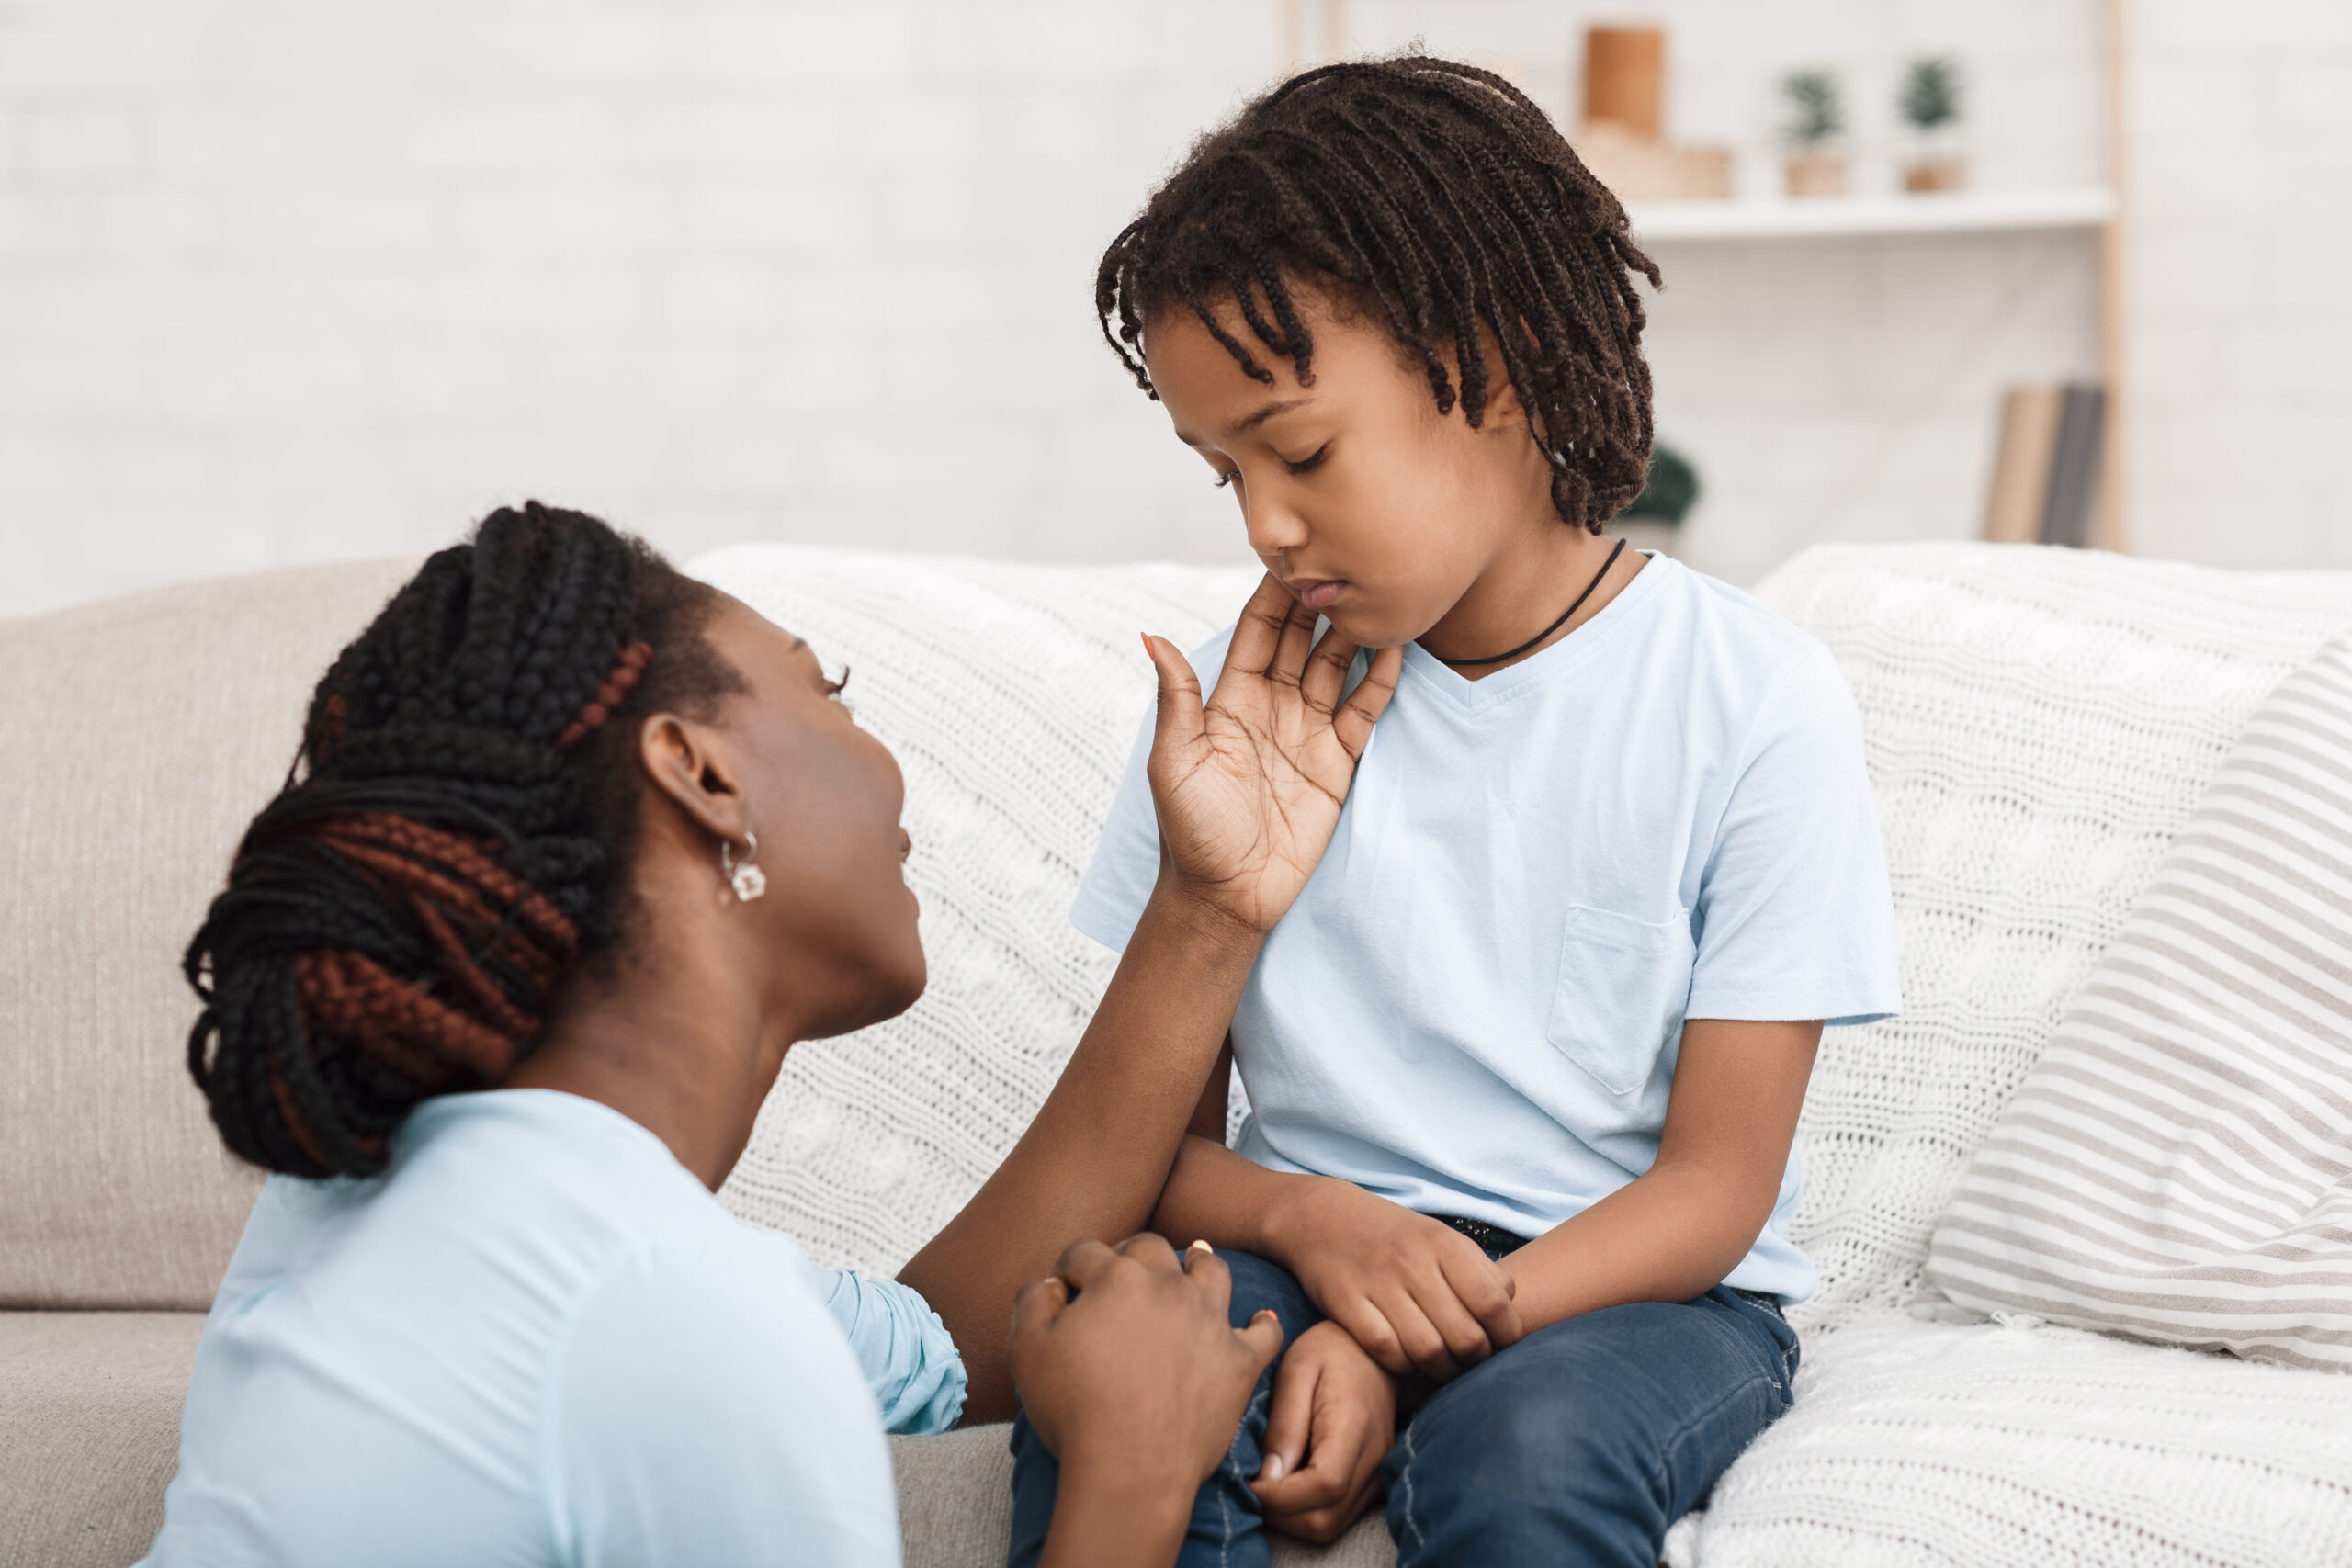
[(1432, 196), (454, 838)]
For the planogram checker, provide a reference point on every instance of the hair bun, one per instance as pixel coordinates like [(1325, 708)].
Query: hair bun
[(397, 920)]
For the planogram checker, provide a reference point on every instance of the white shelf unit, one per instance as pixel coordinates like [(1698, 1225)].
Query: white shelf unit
[(1860, 217)]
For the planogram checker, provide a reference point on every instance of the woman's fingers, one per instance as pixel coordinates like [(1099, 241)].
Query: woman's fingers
[(1180, 723), (1209, 1275), (1292, 648), (1263, 1337), (1258, 634), (1288, 1421), (1037, 1303), (1327, 672), (1353, 724), (1083, 1261), (1150, 1249)]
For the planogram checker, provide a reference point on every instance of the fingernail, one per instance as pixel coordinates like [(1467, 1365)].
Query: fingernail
[(1146, 643), (1200, 1245), (1272, 1469)]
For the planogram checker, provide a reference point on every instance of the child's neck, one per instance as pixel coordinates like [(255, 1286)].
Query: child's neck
[(1534, 577)]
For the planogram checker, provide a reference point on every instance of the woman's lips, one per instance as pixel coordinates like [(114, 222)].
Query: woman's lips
[(1317, 594)]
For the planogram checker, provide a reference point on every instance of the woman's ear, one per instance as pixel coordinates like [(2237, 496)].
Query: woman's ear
[(685, 762)]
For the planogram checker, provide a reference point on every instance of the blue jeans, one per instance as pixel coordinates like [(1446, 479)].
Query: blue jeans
[(1580, 1444)]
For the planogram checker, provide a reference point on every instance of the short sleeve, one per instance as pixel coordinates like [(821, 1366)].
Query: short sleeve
[(706, 1409), (1794, 918), (1127, 863), (910, 1360)]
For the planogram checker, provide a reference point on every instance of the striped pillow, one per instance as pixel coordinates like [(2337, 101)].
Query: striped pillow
[(2177, 1167)]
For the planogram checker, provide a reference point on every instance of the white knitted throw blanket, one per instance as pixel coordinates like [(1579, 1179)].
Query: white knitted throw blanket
[(2039, 722)]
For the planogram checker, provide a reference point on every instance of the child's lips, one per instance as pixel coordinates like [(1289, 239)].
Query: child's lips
[(1318, 594)]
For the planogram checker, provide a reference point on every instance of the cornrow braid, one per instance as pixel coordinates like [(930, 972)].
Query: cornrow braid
[(452, 839), (1433, 196)]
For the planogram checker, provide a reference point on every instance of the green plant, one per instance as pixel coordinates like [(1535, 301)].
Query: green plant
[(1931, 93), (1816, 108), (1670, 489)]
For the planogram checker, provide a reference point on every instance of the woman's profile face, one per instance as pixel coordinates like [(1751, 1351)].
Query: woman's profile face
[(823, 798)]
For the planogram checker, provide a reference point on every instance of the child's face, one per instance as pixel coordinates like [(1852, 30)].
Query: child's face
[(1372, 507)]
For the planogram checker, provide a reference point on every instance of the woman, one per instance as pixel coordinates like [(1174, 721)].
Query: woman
[(575, 851)]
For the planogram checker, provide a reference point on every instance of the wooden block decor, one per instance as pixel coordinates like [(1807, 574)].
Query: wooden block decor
[(1624, 79)]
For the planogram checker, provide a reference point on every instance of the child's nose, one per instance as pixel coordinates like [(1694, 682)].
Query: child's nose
[(1272, 525)]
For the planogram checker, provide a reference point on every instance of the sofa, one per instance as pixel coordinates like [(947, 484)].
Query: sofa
[(2039, 722)]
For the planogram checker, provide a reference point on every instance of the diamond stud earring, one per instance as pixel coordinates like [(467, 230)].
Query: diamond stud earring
[(748, 880)]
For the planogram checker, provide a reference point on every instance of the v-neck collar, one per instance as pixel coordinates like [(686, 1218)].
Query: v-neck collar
[(1585, 642)]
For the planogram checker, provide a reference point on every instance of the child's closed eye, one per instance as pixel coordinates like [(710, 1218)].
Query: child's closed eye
[(1311, 461)]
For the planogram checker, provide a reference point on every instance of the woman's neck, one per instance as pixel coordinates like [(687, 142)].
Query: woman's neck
[(679, 1046), (1539, 572)]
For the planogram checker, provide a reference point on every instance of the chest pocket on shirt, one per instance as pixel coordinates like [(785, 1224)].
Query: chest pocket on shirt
[(1623, 984)]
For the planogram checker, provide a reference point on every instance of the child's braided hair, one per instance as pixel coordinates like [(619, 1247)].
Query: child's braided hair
[(1433, 196), (454, 836)]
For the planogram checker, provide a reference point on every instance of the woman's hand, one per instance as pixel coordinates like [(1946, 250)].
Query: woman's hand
[(1248, 786), (1418, 1295), (1132, 1377), (1334, 1419)]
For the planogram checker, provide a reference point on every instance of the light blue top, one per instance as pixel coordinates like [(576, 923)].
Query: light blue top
[(1475, 1006), (538, 1340)]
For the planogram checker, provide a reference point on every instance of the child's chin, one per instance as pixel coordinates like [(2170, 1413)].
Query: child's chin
[(1371, 632)]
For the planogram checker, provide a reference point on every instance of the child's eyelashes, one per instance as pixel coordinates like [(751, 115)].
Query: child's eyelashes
[(1307, 464)]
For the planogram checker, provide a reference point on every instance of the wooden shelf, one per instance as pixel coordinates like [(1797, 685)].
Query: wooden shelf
[(1863, 216)]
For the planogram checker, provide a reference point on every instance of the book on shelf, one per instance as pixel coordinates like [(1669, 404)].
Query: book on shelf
[(2046, 468)]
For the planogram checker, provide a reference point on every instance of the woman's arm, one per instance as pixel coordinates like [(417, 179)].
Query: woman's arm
[(1093, 1162), (1674, 1232), (1248, 788)]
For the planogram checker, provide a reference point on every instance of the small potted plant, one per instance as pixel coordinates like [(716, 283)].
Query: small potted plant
[(1930, 106), (1815, 164), (1652, 520)]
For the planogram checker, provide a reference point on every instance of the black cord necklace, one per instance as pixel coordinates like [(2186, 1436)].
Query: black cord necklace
[(1547, 631)]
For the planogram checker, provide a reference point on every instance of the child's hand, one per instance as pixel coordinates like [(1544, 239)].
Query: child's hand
[(1248, 788), (1418, 1295), (1334, 1419)]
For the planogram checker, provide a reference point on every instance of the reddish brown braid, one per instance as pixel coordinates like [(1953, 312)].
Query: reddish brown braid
[(618, 686), (451, 845)]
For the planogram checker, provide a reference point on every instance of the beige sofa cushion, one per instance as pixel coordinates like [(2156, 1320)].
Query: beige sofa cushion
[(137, 737), (89, 1432)]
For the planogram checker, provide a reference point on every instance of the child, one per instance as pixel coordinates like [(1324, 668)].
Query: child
[(1525, 1058)]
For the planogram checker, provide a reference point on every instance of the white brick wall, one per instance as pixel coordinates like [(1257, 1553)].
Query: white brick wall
[(2241, 262), (283, 282)]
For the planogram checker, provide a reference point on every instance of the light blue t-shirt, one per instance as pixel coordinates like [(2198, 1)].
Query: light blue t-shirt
[(1476, 1005), (538, 1340)]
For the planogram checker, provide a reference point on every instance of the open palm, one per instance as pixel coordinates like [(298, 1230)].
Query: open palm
[(1249, 785)]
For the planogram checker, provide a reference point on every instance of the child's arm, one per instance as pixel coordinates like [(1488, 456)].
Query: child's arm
[(1676, 1230), (1418, 1295)]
